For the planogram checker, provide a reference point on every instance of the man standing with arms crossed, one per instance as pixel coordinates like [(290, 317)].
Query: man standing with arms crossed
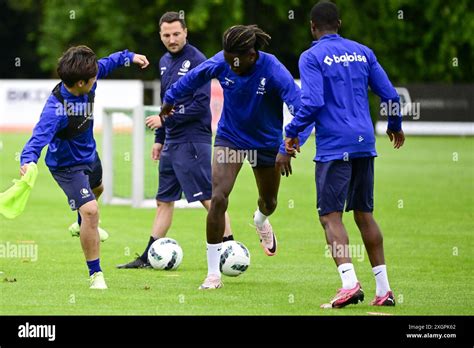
[(184, 145), (335, 76)]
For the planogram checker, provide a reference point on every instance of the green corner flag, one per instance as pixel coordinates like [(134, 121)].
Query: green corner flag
[(13, 200)]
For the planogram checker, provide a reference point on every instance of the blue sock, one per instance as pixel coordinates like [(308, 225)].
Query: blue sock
[(79, 218), (94, 266)]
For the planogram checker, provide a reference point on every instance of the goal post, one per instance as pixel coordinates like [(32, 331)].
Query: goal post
[(129, 175)]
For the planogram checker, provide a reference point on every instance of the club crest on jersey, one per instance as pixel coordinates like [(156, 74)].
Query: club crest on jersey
[(184, 67), (261, 86), (85, 193)]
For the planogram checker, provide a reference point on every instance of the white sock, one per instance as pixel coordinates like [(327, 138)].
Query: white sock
[(348, 275), (259, 219), (214, 259), (381, 280)]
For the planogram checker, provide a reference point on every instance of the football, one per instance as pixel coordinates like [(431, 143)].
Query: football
[(165, 253), (235, 258)]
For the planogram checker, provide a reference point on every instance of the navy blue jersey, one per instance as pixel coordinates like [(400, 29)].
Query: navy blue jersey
[(80, 149), (335, 76), (252, 115), (192, 118)]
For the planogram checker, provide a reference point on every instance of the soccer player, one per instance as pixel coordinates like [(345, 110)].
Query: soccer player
[(66, 126), (335, 76), (184, 145), (255, 86)]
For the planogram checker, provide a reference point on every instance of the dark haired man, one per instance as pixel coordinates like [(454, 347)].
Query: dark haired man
[(335, 76), (255, 86), (184, 145), (66, 126)]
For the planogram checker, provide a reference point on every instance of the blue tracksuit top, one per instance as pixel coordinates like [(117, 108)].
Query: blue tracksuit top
[(192, 119), (80, 149), (335, 76), (252, 115)]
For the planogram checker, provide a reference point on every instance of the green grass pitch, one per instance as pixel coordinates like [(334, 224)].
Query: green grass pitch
[(423, 204)]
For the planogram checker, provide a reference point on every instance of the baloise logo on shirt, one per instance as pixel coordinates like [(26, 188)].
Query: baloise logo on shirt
[(345, 59)]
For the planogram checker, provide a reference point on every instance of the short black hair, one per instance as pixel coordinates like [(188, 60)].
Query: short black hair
[(240, 39), (325, 16), (170, 17), (78, 63)]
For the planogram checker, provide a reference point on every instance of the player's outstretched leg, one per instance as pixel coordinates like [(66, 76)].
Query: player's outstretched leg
[(90, 243), (161, 225), (75, 228), (337, 240), (268, 183), (373, 241), (224, 174)]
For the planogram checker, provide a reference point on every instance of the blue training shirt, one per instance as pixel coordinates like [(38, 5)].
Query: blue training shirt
[(252, 115), (335, 76), (192, 119), (80, 149)]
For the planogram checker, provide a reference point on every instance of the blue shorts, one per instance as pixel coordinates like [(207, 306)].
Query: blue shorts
[(258, 158), (185, 167), (349, 183), (78, 181)]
